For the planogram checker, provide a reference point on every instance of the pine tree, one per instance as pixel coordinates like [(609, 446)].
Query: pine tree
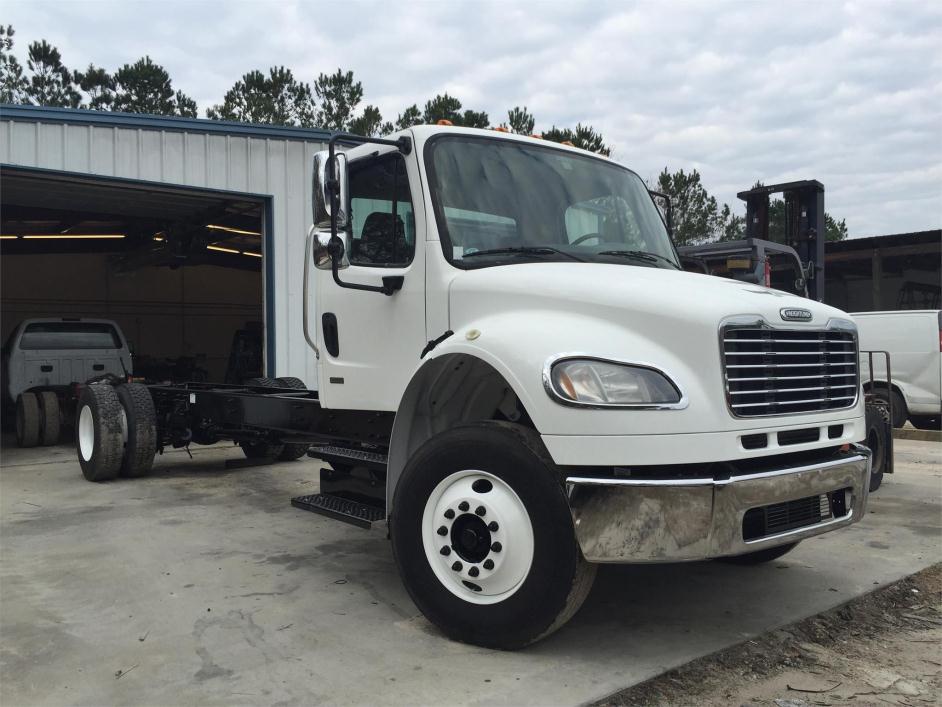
[(275, 99), (520, 121), (145, 87), (14, 87), (51, 83)]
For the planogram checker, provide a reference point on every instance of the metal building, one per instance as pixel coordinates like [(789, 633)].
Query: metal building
[(183, 230)]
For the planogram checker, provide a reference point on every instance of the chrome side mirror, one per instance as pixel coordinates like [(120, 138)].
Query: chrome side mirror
[(323, 255), (321, 197)]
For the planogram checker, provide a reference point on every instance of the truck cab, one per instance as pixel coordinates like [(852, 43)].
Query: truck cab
[(518, 306)]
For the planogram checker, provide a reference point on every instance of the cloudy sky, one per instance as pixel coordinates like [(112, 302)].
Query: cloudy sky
[(849, 93)]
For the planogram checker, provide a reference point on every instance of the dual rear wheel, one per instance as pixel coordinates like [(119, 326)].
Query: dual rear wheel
[(115, 431), (38, 419)]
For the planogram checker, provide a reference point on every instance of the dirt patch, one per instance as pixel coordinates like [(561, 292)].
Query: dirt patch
[(879, 649)]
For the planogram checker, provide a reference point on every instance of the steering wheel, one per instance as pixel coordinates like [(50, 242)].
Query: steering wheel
[(586, 237)]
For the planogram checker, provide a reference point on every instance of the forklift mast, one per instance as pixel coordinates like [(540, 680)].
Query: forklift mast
[(804, 224)]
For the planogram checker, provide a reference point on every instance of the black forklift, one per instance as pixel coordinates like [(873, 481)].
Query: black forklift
[(795, 266)]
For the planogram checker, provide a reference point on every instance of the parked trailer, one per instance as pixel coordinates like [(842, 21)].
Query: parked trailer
[(518, 379)]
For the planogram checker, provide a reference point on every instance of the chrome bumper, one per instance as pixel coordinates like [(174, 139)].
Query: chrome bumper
[(674, 520)]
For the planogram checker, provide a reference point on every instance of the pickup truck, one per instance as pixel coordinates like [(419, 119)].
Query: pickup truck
[(42, 362), (517, 380)]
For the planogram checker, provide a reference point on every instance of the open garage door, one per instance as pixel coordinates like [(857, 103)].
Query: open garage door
[(180, 270)]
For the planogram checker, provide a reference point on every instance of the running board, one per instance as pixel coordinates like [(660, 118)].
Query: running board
[(362, 515), (349, 456)]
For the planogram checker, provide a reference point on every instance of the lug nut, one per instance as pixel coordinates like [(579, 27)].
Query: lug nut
[(492, 526), (463, 506), (480, 510), (449, 514), (474, 572), (443, 530), (496, 547), (457, 567), (488, 564), (445, 551)]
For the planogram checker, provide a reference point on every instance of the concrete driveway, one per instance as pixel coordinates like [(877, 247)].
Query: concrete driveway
[(201, 585)]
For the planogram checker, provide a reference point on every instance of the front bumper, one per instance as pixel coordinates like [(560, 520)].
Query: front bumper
[(673, 520)]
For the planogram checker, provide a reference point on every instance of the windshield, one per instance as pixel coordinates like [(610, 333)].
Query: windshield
[(71, 335), (499, 201)]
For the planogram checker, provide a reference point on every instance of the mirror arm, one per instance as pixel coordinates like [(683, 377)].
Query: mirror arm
[(391, 284)]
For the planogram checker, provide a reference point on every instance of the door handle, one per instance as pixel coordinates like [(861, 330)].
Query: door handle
[(98, 367), (331, 334), (46, 369)]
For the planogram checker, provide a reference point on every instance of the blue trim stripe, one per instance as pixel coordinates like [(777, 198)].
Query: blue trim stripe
[(45, 114)]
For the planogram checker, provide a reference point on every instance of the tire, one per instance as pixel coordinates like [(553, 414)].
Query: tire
[(292, 451), (140, 444), (262, 383), (99, 438), (899, 404), (759, 556), (51, 418), (261, 450), (878, 428), (27, 420), (521, 601), (926, 422)]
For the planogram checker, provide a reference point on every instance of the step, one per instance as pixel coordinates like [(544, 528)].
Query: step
[(343, 509), (348, 455)]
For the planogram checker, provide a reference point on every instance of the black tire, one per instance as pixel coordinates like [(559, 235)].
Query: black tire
[(262, 383), (558, 579), (759, 556), (261, 450), (51, 418), (99, 440), (900, 412), (878, 428), (27, 420), (141, 444), (292, 451), (926, 422)]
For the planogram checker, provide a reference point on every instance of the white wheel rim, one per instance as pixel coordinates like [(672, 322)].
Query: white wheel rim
[(86, 433), (499, 561)]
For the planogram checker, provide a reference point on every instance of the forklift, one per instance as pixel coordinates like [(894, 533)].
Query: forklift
[(797, 267)]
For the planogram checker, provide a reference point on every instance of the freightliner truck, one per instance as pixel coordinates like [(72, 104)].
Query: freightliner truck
[(517, 379)]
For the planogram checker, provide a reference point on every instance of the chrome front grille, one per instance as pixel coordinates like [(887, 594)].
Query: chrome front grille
[(785, 371)]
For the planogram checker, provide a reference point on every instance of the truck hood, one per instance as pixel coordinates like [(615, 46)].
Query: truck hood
[(625, 294)]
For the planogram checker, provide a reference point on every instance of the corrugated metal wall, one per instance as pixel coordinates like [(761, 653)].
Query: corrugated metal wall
[(275, 167)]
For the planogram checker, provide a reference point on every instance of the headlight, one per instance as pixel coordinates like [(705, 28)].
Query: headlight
[(595, 382)]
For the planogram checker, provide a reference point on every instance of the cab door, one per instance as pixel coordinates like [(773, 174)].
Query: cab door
[(370, 342)]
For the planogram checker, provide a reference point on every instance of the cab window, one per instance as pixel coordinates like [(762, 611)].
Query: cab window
[(381, 215)]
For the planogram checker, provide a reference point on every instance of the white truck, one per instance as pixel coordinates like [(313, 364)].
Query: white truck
[(913, 338), (43, 362), (518, 380)]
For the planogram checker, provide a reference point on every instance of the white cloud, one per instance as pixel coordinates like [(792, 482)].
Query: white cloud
[(848, 93)]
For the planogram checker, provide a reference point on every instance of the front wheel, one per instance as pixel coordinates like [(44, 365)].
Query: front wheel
[(483, 537)]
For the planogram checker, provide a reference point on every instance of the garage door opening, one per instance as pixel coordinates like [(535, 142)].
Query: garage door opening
[(179, 270)]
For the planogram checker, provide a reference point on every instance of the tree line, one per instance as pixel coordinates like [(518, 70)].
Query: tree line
[(332, 102)]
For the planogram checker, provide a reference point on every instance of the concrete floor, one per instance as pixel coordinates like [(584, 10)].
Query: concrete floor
[(201, 585)]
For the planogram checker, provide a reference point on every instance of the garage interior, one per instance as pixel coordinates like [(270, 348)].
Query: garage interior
[(180, 270)]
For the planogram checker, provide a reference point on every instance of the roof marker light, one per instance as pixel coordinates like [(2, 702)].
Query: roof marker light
[(443, 121)]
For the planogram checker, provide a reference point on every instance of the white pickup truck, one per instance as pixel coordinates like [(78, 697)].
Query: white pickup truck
[(42, 362), (518, 378)]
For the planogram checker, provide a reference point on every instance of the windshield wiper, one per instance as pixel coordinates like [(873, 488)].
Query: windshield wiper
[(524, 250), (640, 255)]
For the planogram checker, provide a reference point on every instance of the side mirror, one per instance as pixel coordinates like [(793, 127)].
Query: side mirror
[(322, 199), (326, 248)]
